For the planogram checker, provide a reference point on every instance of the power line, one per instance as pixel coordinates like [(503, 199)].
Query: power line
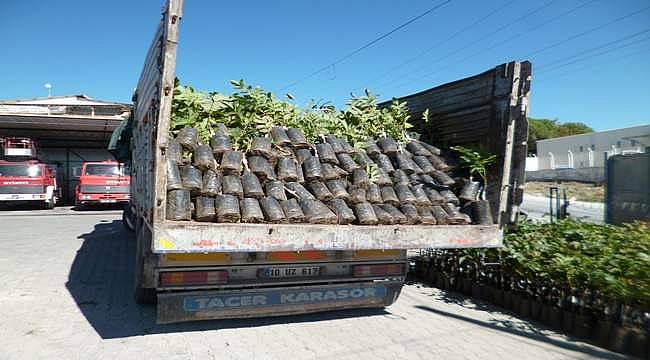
[(508, 24), (573, 37), (591, 66), (376, 40), (452, 36), (553, 19), (542, 67), (552, 68)]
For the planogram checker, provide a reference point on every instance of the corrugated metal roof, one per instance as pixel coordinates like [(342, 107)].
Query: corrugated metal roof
[(62, 100)]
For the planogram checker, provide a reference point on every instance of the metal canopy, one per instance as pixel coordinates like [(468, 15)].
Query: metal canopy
[(61, 130)]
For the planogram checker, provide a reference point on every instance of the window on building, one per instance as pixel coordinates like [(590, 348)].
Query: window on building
[(593, 147), (633, 142), (618, 144), (581, 148)]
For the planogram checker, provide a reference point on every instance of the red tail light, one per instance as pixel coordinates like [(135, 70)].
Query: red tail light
[(178, 278), (377, 270)]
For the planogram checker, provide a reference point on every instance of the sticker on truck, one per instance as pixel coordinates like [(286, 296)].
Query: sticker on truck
[(283, 297)]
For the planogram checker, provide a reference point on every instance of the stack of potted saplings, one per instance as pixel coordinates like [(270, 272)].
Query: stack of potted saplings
[(588, 280), (283, 178), (252, 158)]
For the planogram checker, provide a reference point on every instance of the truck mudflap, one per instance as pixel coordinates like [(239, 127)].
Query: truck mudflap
[(203, 305)]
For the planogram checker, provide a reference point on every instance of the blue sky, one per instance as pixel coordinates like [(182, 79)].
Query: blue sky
[(97, 48)]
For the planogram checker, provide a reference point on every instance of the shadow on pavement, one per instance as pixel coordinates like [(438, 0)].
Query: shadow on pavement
[(514, 329), (23, 207), (455, 298), (101, 283)]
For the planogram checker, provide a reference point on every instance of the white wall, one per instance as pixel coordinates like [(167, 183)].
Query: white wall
[(532, 163), (588, 150)]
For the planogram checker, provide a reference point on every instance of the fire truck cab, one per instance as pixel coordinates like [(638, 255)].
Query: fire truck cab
[(29, 181), (103, 182)]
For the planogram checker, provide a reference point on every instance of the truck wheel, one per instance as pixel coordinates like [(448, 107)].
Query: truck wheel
[(128, 218), (78, 206), (145, 296), (49, 204)]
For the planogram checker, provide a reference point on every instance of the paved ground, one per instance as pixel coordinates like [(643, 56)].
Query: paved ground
[(537, 207), (66, 294)]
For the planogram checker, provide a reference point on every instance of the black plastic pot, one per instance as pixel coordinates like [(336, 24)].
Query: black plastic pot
[(567, 321), (466, 286), (446, 284), (421, 266), (478, 291), (551, 316), (507, 299), (430, 272), (524, 307), (496, 296), (433, 276), (535, 310), (620, 339), (583, 326), (440, 282), (603, 331), (515, 303)]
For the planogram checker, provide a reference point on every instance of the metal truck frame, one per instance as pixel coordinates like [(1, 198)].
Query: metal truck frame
[(208, 270)]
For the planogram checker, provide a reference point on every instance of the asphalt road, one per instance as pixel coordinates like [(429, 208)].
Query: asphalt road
[(537, 208), (66, 294)]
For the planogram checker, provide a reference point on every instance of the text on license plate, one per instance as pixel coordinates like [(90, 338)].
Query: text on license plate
[(280, 272), (107, 200)]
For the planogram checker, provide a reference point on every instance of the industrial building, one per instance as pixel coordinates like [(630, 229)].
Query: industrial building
[(591, 149), (68, 130)]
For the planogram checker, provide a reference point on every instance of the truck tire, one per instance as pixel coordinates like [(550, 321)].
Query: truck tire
[(49, 204), (128, 220), (143, 295)]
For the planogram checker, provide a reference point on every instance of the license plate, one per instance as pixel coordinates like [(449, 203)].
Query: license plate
[(15, 197), (288, 272), (107, 200)]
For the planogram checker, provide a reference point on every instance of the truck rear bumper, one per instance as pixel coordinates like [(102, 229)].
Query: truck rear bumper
[(203, 305), (96, 199), (23, 197)]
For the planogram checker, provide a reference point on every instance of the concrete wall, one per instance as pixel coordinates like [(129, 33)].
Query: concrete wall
[(588, 150), (588, 175)]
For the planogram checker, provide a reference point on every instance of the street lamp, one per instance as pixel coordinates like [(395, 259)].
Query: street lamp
[(48, 86)]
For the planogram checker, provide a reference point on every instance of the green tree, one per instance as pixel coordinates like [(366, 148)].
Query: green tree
[(573, 128), (540, 129)]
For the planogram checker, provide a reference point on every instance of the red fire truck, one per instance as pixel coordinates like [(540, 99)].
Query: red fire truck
[(29, 181), (103, 182), (23, 178)]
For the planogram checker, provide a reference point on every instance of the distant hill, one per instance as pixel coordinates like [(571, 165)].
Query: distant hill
[(540, 129)]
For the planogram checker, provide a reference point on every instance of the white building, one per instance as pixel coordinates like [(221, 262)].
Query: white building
[(590, 150)]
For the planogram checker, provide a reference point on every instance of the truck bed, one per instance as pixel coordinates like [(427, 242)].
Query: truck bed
[(184, 236), (486, 111)]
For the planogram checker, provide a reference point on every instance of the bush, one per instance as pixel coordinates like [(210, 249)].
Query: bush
[(612, 260), (602, 270)]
